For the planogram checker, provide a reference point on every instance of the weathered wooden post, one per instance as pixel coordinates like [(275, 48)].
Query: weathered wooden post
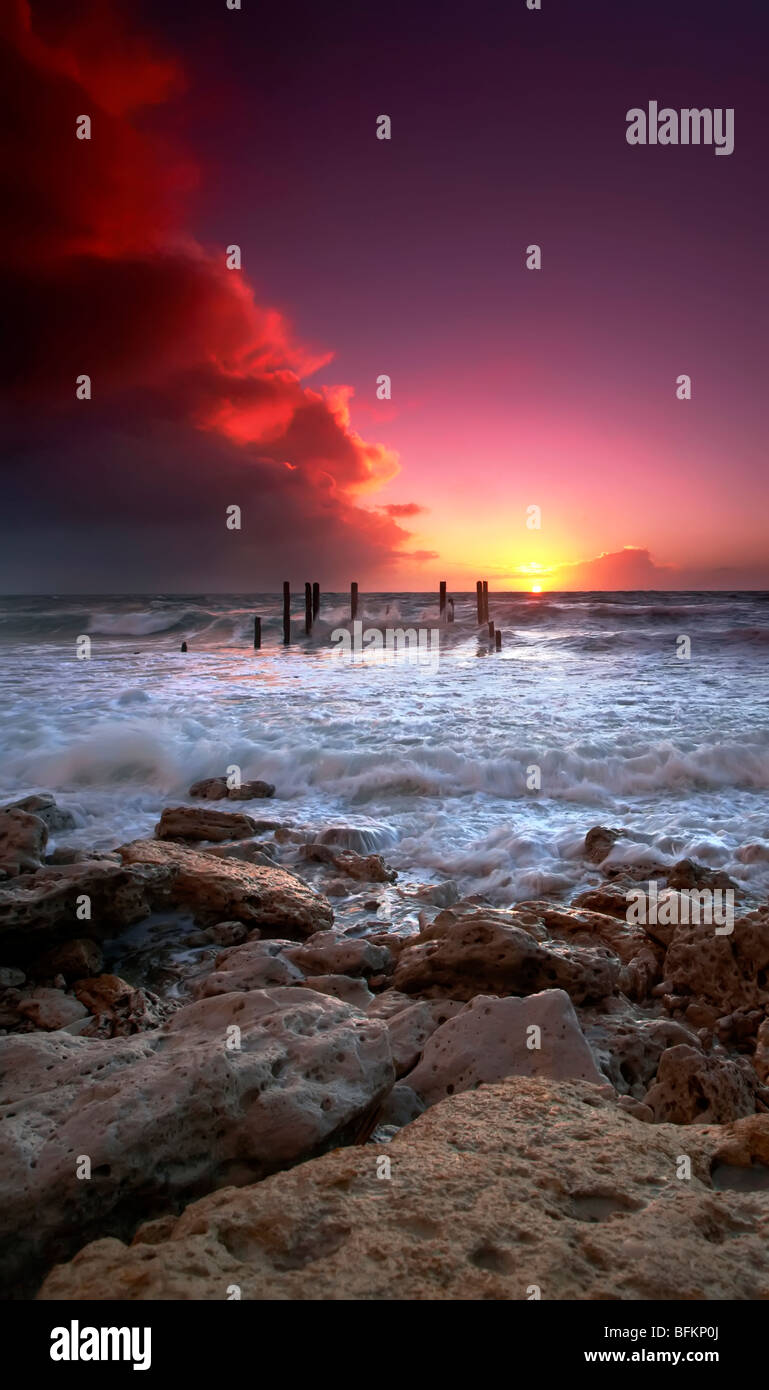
[(442, 599), (479, 601), (353, 602), (183, 647), (307, 609), (491, 632), (486, 600), (286, 613), (257, 633), (315, 600), (498, 640)]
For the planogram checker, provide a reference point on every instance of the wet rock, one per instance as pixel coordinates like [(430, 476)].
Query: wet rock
[(492, 1038), (528, 1181), (438, 894), (216, 789), (479, 954), (37, 910), (401, 1106), (687, 873), (761, 1056), (50, 1009), (43, 805), (599, 842), (692, 1089), (73, 959), (196, 823), (641, 960), (368, 869), (167, 1113), (250, 851), (215, 889), (23, 838)]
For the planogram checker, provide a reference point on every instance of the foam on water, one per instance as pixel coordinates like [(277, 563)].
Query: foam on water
[(587, 687)]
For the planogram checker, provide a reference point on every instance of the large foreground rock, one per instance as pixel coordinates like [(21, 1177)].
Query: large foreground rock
[(23, 839), (167, 1114), (193, 823), (523, 1186), (214, 889)]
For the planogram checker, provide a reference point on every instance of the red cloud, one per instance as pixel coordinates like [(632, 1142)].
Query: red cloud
[(105, 279)]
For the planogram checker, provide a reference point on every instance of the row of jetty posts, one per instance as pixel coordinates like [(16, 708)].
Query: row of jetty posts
[(312, 609)]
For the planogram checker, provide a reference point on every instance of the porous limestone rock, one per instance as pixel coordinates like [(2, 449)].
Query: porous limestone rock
[(40, 909), (216, 789), (494, 1038), (369, 868), (213, 888), (197, 823), (692, 1088), (43, 805), (329, 953), (50, 1009), (23, 839), (729, 971), (230, 1089), (525, 1183), (254, 965), (482, 955), (411, 1026)]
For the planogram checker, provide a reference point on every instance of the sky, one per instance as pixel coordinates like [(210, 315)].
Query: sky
[(257, 387)]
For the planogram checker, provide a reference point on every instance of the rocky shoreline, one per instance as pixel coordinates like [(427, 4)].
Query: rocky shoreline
[(245, 1055)]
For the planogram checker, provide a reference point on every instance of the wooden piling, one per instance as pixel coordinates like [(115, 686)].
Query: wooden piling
[(286, 613), (257, 633), (479, 600), (442, 599), (486, 600), (183, 647), (307, 609), (491, 632), (353, 602), (498, 640), (315, 600)]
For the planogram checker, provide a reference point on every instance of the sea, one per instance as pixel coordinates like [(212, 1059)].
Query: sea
[(647, 712)]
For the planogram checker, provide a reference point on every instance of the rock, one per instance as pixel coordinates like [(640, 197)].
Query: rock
[(10, 978), (251, 791), (608, 899), (43, 805), (328, 953), (194, 823), (526, 1182), (635, 1107), (438, 894), (22, 842), (490, 1039), (39, 909), (254, 965), (479, 954), (599, 842), (229, 933), (342, 987), (214, 889), (411, 1026), (250, 851), (761, 1057), (216, 789), (687, 873), (727, 971), (360, 839), (369, 869), (692, 1089), (400, 1107), (628, 1049), (50, 1009), (119, 1009), (73, 959), (166, 1114), (641, 961)]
